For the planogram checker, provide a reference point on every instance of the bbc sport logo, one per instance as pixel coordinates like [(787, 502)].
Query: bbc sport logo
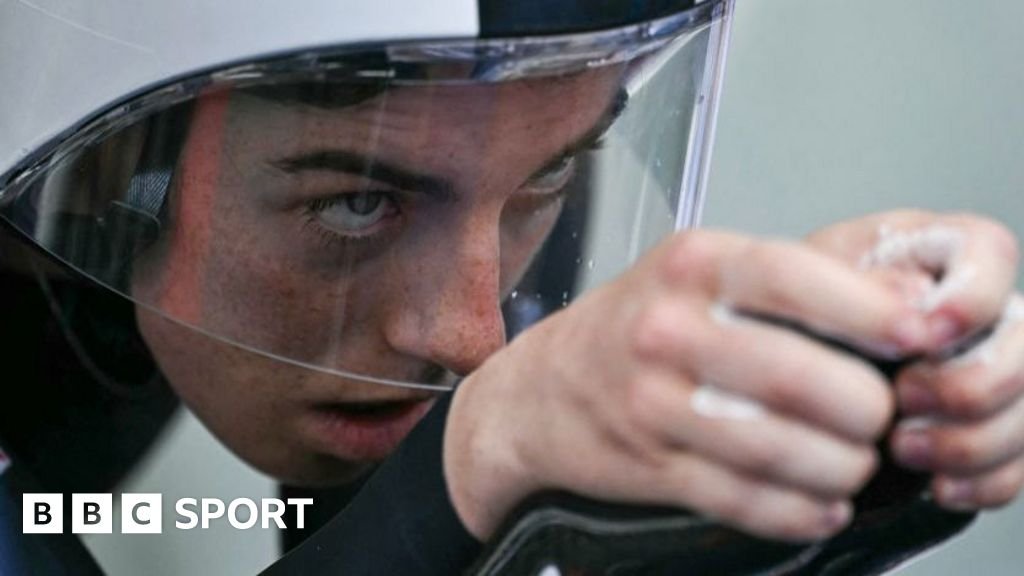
[(143, 513)]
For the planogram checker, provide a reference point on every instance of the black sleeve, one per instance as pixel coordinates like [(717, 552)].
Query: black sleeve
[(401, 522)]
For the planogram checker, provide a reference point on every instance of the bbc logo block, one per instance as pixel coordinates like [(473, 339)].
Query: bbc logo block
[(92, 513), (141, 514), (42, 514)]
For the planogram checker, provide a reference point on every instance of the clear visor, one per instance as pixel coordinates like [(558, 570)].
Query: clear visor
[(391, 214)]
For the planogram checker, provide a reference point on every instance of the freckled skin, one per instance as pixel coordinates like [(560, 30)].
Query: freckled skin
[(244, 262)]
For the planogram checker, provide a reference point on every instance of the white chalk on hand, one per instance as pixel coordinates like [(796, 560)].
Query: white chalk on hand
[(931, 248), (712, 402)]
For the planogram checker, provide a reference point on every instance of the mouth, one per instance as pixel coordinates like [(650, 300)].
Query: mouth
[(368, 430)]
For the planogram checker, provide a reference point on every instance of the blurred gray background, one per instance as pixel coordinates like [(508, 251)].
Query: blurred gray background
[(831, 109)]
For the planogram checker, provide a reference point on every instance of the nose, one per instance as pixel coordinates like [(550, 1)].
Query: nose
[(449, 312)]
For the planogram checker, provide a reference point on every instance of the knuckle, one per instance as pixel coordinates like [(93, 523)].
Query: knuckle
[(762, 457), (966, 400), (657, 330), (689, 255), (785, 387), (960, 451)]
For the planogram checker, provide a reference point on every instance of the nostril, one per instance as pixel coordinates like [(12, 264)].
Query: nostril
[(465, 350)]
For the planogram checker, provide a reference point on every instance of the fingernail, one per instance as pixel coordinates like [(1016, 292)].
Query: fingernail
[(956, 493), (915, 398), (913, 447), (837, 515)]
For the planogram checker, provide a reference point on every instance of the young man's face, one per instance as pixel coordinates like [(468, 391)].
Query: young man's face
[(377, 238)]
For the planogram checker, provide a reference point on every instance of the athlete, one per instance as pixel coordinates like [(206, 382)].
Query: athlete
[(313, 250)]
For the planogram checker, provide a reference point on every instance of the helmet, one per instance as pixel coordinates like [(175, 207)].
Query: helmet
[(386, 198)]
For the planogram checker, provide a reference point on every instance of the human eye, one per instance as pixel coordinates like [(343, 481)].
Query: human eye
[(551, 181), (357, 215), (553, 178)]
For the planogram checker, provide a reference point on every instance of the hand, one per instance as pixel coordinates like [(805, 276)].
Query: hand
[(609, 398), (963, 416)]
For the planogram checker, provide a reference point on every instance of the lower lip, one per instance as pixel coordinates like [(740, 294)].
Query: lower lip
[(353, 436)]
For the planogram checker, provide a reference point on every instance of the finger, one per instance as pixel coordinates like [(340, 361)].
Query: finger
[(972, 261), (790, 373), (976, 281), (790, 281), (911, 285), (961, 448), (851, 239), (760, 508), (992, 490), (978, 383), (761, 445)]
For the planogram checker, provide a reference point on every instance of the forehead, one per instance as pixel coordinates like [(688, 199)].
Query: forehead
[(510, 120)]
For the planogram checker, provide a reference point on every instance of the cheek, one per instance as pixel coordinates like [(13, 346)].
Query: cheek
[(261, 280), (306, 311), (273, 291), (223, 392), (252, 404), (205, 373)]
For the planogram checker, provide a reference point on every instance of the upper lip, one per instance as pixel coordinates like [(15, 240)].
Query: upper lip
[(355, 391), (375, 400), (369, 401)]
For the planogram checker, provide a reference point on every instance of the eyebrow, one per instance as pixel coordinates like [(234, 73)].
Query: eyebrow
[(335, 160), (591, 137), (344, 161)]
